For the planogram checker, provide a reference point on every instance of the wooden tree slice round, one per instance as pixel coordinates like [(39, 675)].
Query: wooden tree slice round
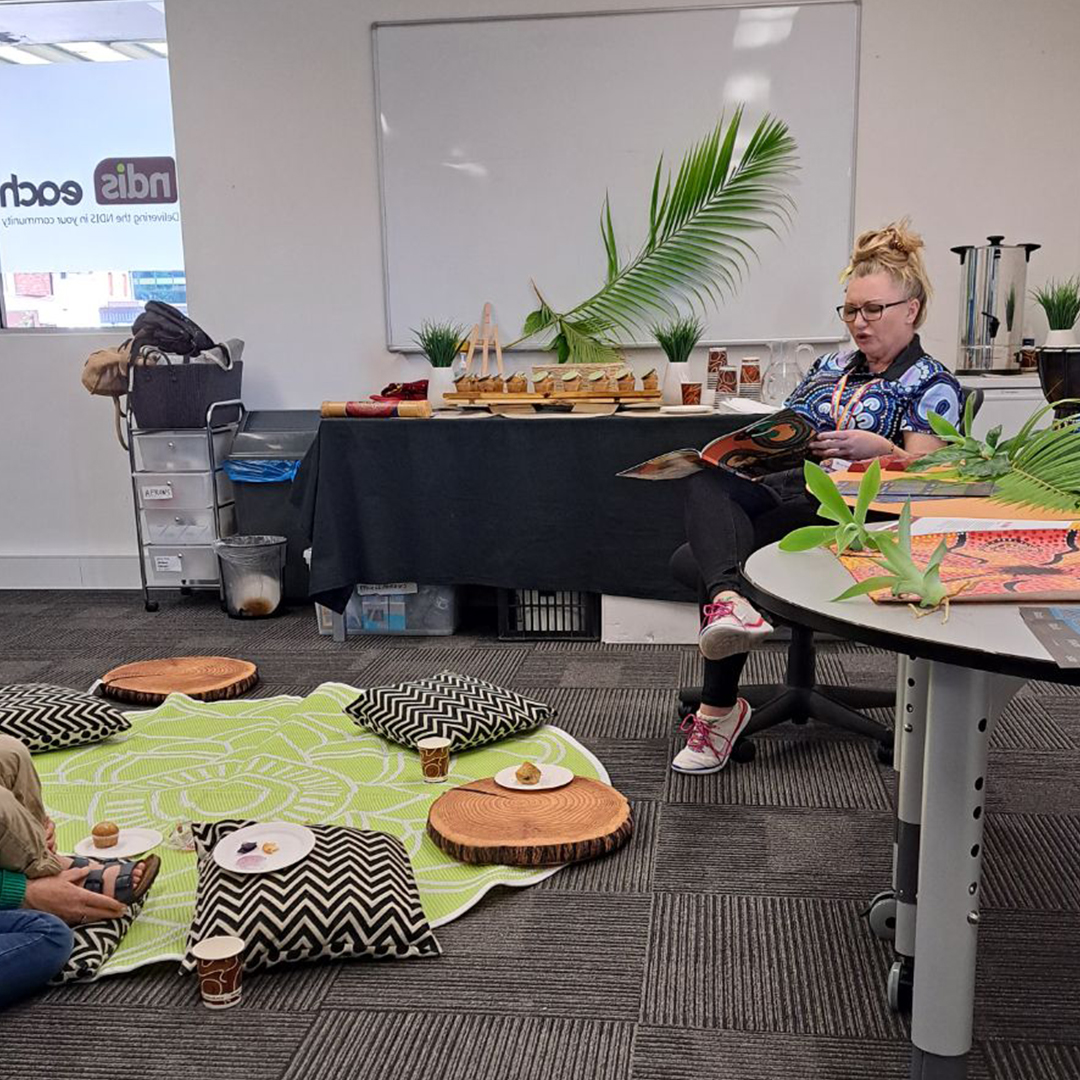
[(206, 678), (481, 822)]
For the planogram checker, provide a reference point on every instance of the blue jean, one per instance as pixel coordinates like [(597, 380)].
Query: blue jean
[(33, 948)]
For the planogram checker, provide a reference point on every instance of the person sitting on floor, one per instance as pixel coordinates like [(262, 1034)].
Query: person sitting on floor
[(872, 401), (60, 890)]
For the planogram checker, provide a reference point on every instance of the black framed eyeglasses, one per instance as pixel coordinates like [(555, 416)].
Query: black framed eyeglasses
[(870, 312)]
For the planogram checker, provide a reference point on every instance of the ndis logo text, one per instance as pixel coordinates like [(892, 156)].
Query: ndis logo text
[(117, 182)]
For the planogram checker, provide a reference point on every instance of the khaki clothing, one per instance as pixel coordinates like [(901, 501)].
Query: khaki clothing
[(22, 814)]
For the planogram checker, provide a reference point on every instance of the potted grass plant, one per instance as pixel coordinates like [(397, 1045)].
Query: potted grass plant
[(440, 342), (1060, 301), (677, 338)]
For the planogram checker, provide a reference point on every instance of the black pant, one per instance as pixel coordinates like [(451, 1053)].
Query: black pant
[(727, 519)]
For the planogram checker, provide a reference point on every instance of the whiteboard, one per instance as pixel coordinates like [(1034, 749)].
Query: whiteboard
[(498, 139)]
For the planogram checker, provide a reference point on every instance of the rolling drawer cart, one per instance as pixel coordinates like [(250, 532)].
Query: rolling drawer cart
[(183, 502)]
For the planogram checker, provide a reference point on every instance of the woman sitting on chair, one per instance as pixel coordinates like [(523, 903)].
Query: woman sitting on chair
[(866, 402)]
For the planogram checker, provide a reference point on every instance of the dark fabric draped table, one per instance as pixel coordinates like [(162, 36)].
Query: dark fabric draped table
[(516, 503)]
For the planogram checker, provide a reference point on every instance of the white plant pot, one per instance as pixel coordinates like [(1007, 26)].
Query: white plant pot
[(1060, 339), (674, 377), (440, 381)]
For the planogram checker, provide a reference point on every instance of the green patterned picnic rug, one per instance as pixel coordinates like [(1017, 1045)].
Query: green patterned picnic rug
[(274, 759)]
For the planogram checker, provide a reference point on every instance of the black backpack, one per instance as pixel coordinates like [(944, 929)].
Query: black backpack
[(163, 327)]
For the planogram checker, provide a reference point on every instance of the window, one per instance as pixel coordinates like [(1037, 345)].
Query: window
[(89, 210)]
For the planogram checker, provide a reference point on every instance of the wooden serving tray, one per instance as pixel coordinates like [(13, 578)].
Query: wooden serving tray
[(481, 822), (495, 398), (206, 678)]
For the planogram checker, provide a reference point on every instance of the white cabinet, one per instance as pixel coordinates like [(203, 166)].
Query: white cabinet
[(1008, 400)]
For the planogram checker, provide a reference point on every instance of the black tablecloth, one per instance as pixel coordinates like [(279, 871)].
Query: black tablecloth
[(517, 503)]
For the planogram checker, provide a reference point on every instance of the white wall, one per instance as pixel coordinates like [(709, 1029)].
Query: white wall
[(965, 122)]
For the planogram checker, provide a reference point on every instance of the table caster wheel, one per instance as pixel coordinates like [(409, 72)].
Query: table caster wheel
[(885, 753), (882, 915), (151, 605), (744, 751), (900, 985)]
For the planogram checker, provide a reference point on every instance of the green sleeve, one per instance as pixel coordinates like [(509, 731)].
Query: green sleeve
[(12, 889)]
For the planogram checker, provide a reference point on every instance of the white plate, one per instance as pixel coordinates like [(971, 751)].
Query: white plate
[(686, 410), (293, 841), (131, 842), (551, 776)]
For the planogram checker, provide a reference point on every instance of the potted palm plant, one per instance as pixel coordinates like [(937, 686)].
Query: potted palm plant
[(440, 342), (1060, 301), (677, 338)]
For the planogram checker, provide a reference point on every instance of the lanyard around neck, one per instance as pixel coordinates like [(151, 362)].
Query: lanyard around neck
[(841, 415)]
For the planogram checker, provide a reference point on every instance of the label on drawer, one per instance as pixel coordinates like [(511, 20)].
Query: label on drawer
[(152, 494), (168, 564), (391, 588)]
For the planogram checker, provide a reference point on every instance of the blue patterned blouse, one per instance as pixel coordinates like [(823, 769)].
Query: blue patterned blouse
[(890, 403)]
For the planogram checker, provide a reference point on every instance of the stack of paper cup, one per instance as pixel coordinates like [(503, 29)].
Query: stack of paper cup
[(750, 377)]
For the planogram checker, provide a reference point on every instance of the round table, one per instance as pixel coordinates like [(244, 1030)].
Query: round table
[(955, 679)]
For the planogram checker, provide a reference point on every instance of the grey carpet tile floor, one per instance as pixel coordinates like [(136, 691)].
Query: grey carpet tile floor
[(723, 943)]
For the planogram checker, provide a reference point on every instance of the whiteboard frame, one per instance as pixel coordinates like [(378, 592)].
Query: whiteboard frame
[(412, 347)]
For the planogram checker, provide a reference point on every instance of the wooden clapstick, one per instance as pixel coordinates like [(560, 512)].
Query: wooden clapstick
[(492, 824), (206, 678)]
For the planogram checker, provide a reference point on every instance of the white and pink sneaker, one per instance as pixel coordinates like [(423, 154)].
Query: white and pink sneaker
[(709, 740), (731, 625)]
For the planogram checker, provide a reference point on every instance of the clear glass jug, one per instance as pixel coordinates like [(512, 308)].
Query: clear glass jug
[(788, 364)]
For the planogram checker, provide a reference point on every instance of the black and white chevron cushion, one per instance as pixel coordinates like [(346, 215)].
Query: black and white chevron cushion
[(468, 712), (353, 895), (52, 717), (94, 944)]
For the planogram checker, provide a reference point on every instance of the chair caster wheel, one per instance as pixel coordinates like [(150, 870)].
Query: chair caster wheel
[(882, 915), (744, 751), (151, 605), (900, 986), (885, 753)]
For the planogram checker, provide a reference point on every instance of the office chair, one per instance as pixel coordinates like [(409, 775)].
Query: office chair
[(801, 697)]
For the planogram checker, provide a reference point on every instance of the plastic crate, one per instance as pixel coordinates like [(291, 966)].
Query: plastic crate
[(542, 614), (425, 611)]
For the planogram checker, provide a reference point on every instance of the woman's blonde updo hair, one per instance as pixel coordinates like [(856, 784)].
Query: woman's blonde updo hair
[(893, 250)]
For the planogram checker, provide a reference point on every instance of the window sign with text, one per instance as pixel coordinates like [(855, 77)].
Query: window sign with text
[(89, 192)]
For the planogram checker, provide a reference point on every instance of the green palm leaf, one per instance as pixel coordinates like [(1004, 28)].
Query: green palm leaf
[(1044, 473), (696, 251)]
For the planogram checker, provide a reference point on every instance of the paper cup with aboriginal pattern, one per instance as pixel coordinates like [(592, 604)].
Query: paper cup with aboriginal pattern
[(691, 393), (727, 381), (220, 965), (434, 759)]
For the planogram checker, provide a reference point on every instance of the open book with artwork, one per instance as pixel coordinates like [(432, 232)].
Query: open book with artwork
[(772, 444)]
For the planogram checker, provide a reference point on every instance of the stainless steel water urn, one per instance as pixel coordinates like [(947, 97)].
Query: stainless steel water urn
[(993, 285)]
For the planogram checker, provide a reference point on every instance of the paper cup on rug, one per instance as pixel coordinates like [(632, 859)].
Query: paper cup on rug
[(220, 967), (691, 393), (434, 759)]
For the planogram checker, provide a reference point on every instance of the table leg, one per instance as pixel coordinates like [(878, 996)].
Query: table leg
[(962, 706), (338, 623), (914, 683)]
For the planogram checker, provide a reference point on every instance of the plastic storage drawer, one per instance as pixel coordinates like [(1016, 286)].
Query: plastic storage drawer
[(181, 491), (430, 611), (170, 567), (179, 451), (184, 527)]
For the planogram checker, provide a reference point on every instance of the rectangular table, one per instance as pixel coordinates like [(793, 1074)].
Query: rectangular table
[(515, 503)]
